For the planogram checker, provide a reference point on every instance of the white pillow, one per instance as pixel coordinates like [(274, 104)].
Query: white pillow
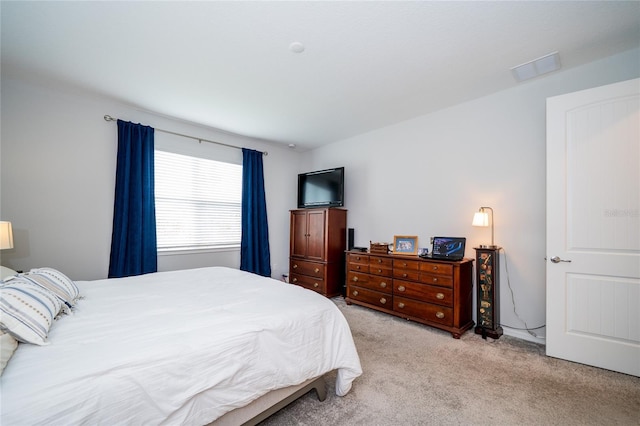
[(8, 346), (57, 282), (27, 310)]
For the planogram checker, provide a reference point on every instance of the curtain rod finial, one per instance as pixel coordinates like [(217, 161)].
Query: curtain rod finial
[(107, 117)]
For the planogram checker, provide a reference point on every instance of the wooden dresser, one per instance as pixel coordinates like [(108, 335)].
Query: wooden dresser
[(318, 238), (432, 292)]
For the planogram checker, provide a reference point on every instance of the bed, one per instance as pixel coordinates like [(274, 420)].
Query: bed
[(182, 347)]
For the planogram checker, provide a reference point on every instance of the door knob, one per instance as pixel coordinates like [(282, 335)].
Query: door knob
[(556, 259)]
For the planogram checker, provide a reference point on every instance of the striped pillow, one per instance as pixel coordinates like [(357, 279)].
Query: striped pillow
[(56, 282), (27, 310)]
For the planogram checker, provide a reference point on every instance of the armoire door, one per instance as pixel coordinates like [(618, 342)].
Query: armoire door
[(316, 229), (593, 232), (299, 235)]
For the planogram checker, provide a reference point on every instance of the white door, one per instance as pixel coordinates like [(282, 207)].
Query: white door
[(593, 231)]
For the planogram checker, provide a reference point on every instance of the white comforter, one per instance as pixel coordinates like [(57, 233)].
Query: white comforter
[(180, 347)]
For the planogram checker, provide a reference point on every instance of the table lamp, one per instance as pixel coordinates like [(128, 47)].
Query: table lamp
[(481, 218)]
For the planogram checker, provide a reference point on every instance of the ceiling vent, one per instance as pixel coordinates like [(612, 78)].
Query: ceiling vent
[(543, 65)]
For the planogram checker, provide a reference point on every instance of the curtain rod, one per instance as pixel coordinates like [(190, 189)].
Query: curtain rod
[(110, 118)]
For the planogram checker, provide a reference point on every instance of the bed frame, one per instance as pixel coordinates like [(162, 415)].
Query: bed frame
[(270, 403)]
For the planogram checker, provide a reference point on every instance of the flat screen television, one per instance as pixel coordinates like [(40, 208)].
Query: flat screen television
[(324, 188)]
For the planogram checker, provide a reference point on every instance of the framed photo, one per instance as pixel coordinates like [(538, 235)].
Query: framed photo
[(404, 244)]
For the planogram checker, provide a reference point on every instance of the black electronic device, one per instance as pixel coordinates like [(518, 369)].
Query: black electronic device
[(350, 238), (448, 248), (323, 188)]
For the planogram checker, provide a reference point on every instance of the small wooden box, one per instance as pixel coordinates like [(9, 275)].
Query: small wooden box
[(379, 247)]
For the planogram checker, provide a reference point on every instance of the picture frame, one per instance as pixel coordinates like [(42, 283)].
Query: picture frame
[(405, 244)]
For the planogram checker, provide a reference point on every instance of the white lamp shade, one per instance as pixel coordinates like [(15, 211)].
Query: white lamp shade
[(480, 219), (6, 235)]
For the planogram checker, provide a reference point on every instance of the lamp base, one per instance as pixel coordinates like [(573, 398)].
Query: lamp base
[(6, 272), (494, 334)]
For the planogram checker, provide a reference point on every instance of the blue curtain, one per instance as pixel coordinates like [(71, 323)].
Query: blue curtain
[(254, 248), (133, 239)]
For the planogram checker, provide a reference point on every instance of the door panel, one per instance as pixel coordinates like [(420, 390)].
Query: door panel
[(299, 233), (593, 227), (316, 230), (612, 296)]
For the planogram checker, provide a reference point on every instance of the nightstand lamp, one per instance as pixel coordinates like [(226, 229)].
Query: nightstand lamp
[(6, 242), (481, 218), (488, 280)]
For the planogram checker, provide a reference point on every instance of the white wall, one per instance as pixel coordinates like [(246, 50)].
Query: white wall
[(58, 159), (427, 176)]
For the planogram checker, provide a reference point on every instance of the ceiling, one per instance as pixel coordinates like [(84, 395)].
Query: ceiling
[(365, 65)]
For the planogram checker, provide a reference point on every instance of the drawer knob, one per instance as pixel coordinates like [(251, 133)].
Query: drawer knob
[(358, 267), (439, 315), (404, 275), (316, 270), (435, 280), (295, 279), (316, 285), (355, 279), (400, 305), (383, 284), (404, 264), (379, 270), (295, 265), (354, 292), (401, 288), (435, 267), (440, 296), (383, 300), (358, 258), (379, 260)]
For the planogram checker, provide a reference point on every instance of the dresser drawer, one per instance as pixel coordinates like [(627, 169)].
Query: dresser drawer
[(382, 284), (381, 270), (380, 262), (358, 262), (410, 265), (406, 274), (371, 297), (359, 267), (357, 278), (422, 310), (304, 267), (442, 280), (308, 282), (436, 268), (423, 292), (358, 258)]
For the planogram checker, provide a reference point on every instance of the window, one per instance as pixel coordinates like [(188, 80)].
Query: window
[(198, 202)]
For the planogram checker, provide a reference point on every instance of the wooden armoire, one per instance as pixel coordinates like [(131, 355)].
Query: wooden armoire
[(317, 244)]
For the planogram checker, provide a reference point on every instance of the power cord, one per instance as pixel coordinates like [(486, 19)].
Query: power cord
[(513, 301)]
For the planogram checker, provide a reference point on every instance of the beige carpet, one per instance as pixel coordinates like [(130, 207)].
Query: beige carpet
[(416, 375)]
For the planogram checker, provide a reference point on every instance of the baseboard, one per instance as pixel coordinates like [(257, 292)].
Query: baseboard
[(524, 335)]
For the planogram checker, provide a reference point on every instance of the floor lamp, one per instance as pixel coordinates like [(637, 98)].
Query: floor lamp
[(488, 281)]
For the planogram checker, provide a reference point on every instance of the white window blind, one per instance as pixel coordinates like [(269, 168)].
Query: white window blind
[(198, 202)]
